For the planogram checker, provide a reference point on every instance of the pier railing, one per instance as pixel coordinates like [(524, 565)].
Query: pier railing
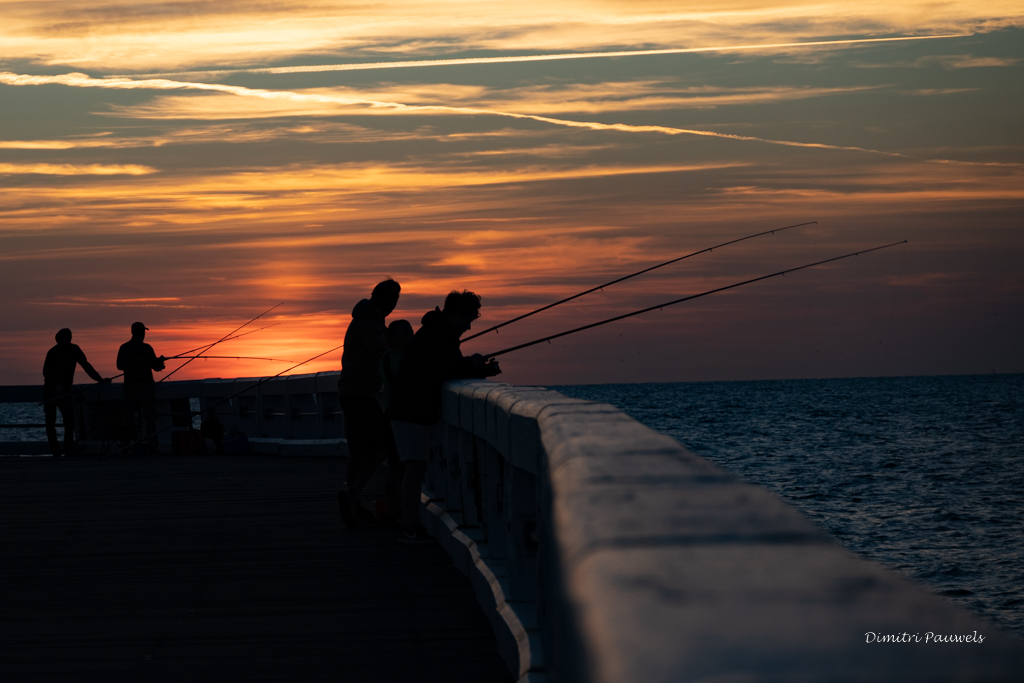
[(604, 551), (296, 414)]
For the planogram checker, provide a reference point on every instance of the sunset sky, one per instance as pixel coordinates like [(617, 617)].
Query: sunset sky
[(191, 164)]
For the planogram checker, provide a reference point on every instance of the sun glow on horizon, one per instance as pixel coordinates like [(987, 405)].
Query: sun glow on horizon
[(301, 152)]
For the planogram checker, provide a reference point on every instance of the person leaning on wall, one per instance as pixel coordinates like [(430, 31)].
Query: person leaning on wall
[(433, 357)]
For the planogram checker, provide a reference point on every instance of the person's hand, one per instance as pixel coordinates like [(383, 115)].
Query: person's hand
[(479, 362), (106, 380), (491, 368)]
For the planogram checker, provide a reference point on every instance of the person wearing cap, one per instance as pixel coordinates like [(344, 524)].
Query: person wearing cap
[(58, 379), (137, 360)]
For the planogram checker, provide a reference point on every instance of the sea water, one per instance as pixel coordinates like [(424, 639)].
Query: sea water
[(32, 413), (924, 475), (24, 413)]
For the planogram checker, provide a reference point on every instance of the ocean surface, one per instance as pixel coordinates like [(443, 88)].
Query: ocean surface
[(24, 413), (924, 475)]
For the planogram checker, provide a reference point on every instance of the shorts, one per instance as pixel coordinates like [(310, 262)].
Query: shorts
[(412, 440)]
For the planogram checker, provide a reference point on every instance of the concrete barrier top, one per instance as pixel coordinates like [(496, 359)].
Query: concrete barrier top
[(673, 569)]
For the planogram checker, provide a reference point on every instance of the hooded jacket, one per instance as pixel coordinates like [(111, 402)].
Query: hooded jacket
[(365, 343), (59, 366), (432, 359)]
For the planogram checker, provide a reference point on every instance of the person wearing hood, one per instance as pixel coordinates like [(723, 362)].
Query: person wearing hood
[(58, 379), (433, 358), (366, 428)]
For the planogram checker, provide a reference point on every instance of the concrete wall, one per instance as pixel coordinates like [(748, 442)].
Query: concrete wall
[(604, 551)]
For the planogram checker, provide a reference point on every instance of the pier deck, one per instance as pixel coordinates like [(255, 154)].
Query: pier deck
[(219, 569)]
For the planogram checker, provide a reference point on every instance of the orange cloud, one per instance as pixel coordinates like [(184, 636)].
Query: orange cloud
[(148, 35), (75, 169)]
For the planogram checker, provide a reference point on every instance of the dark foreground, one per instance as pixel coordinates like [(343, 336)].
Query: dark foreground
[(219, 569)]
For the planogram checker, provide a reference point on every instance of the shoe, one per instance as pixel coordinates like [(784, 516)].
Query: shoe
[(348, 517), (365, 515), (415, 536)]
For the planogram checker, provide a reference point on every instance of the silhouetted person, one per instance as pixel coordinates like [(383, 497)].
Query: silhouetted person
[(137, 360), (432, 359), (366, 428), (58, 379), (399, 336)]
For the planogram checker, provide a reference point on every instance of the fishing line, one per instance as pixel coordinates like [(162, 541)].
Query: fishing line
[(229, 398), (205, 346), (639, 272), (224, 338), (280, 360), (183, 355), (687, 298), (208, 346)]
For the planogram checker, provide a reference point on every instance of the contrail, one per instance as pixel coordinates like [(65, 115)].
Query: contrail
[(81, 80), (527, 58)]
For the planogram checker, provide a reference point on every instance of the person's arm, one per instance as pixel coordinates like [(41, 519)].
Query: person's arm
[(122, 361), (470, 367), (483, 367), (155, 362), (89, 369)]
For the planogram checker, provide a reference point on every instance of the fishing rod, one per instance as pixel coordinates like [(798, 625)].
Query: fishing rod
[(224, 338), (181, 355), (281, 360), (73, 390), (639, 272), (208, 346), (229, 398), (687, 298)]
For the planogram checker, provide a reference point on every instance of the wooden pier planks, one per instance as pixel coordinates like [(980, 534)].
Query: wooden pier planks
[(219, 569)]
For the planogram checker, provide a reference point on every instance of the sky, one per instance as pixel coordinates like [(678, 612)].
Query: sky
[(192, 164)]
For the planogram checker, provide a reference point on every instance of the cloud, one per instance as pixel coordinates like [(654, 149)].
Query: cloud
[(940, 91), (360, 105), (961, 61), (972, 62), (145, 35), (325, 132), (518, 59), (75, 169), (549, 99), (150, 302), (645, 96)]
